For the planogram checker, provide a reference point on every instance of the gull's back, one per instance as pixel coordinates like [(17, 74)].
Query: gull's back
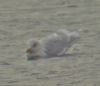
[(55, 43)]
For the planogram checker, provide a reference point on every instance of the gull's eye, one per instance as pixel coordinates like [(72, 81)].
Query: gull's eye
[(35, 44)]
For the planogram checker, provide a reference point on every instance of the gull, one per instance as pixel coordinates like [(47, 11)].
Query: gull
[(55, 44)]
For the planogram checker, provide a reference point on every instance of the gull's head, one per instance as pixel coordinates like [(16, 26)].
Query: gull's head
[(31, 51)]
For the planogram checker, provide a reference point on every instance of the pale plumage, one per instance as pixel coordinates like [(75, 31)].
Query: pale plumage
[(53, 45)]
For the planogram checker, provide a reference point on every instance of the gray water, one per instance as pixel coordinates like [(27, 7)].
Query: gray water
[(21, 20)]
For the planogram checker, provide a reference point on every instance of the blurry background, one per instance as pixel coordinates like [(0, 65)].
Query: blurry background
[(21, 20)]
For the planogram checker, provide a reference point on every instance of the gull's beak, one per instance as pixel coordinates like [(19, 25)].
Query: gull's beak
[(29, 50)]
